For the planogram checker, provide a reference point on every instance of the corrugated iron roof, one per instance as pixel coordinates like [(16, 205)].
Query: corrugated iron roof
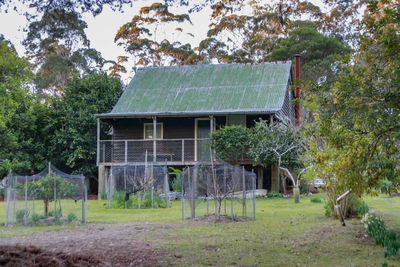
[(205, 89)]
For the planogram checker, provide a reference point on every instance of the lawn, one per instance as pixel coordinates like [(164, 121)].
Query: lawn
[(284, 233)]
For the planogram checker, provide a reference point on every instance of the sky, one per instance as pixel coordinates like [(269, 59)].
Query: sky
[(102, 29)]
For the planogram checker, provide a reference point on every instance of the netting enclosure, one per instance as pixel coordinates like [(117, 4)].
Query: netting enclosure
[(218, 189), (138, 186), (47, 197)]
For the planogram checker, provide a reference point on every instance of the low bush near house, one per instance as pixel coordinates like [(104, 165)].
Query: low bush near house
[(274, 194), (315, 200)]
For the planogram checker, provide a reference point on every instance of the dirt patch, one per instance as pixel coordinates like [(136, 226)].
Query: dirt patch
[(33, 256), (95, 244)]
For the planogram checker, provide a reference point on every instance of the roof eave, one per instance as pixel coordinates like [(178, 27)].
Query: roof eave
[(183, 114)]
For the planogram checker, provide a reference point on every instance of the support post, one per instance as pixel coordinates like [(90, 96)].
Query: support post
[(55, 192), (211, 131), (154, 139), (244, 191), (98, 143), (102, 180), (254, 197), (125, 196), (84, 200), (183, 150), (126, 151), (183, 198), (26, 200)]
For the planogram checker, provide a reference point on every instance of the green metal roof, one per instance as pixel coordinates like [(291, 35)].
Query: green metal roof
[(205, 89)]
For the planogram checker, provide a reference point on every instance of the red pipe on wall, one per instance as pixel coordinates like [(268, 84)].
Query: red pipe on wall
[(297, 91)]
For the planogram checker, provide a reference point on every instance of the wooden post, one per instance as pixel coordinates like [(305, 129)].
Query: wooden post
[(154, 139), (183, 150), (98, 143), (232, 207), (126, 151), (152, 185), (183, 197), (84, 200), (125, 187), (225, 189), (166, 184), (254, 197), (244, 191), (26, 200), (55, 192), (192, 197)]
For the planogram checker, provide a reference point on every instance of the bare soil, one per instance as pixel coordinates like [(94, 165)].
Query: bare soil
[(90, 245)]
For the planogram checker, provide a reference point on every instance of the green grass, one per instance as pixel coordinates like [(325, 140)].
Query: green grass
[(284, 234)]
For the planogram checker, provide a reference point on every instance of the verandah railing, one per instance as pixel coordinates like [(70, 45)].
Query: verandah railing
[(171, 150)]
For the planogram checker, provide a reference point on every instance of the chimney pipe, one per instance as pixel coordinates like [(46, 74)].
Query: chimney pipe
[(297, 91)]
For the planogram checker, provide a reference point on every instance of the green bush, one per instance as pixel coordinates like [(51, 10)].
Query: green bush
[(20, 215), (176, 184), (2, 192), (118, 201), (274, 194), (304, 187), (376, 228), (71, 217), (387, 187), (103, 196), (315, 200), (58, 213), (36, 218), (362, 208), (158, 202)]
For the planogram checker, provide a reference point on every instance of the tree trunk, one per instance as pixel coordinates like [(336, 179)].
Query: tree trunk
[(46, 207)]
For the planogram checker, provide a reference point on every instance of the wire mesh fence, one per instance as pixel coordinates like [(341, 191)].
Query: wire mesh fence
[(50, 196), (138, 186), (218, 189)]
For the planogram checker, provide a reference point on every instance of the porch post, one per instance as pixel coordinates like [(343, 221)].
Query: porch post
[(211, 131), (98, 143), (154, 139)]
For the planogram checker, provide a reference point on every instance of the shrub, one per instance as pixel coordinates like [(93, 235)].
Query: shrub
[(71, 217), (304, 187), (118, 201), (362, 208), (274, 194), (20, 215), (387, 187), (36, 218), (376, 228), (176, 184), (58, 213), (103, 196), (315, 200)]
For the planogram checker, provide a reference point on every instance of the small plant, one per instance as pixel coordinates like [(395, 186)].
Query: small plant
[(274, 194), (362, 208), (387, 187), (58, 213), (103, 196), (315, 200), (36, 218), (72, 217), (118, 201), (20, 215), (176, 183)]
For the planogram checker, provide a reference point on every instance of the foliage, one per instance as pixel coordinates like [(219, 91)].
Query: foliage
[(354, 131), (231, 143), (377, 229), (319, 53), (176, 183), (315, 200), (72, 124), (72, 217), (44, 189), (387, 187), (274, 194), (362, 208), (349, 205), (103, 196), (20, 215), (275, 143), (36, 218), (118, 201)]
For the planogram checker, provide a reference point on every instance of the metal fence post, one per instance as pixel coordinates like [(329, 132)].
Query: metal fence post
[(183, 150)]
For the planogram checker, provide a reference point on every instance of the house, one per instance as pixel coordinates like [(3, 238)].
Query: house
[(168, 113)]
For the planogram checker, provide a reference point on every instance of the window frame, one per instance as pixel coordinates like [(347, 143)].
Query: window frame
[(159, 125)]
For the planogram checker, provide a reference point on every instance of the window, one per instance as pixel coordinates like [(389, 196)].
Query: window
[(148, 131), (236, 120)]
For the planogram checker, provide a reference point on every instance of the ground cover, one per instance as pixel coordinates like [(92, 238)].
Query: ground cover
[(284, 233)]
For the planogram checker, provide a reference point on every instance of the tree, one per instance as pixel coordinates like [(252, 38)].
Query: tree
[(141, 38), (231, 143), (17, 112), (354, 132), (72, 124), (320, 54), (276, 143)]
